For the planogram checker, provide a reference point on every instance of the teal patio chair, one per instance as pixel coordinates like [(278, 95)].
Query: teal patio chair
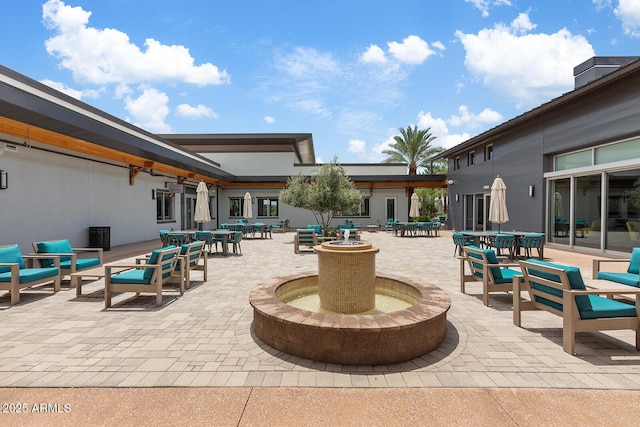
[(631, 277), (208, 239), (503, 241), (485, 267), (191, 254), (304, 237), (530, 242), (72, 260), (235, 240), (163, 236), (177, 239), (15, 275), (460, 241), (143, 277), (317, 228), (560, 290)]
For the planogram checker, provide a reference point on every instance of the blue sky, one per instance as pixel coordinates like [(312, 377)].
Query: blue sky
[(351, 72)]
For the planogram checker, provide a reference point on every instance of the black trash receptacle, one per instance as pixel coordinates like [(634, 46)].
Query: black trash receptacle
[(100, 237)]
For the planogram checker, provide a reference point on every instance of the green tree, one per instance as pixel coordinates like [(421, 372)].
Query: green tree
[(413, 147), (328, 192)]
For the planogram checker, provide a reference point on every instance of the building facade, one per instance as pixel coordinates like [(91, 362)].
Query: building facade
[(571, 166), (66, 167)]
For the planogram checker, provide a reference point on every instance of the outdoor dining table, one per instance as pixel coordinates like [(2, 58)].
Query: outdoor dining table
[(480, 237)]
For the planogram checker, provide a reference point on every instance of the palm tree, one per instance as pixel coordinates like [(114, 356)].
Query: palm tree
[(412, 146)]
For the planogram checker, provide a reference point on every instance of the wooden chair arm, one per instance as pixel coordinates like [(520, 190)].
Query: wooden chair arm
[(597, 262)]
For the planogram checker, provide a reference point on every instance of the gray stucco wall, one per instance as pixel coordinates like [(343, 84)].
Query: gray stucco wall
[(52, 196)]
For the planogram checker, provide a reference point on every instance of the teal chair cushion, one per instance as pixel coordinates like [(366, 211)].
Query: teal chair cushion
[(136, 277), (607, 308), (28, 275), (623, 278), (634, 264), (55, 247), (10, 255), (575, 282), (492, 259), (81, 263), (153, 259)]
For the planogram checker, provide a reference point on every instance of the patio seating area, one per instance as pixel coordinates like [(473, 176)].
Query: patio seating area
[(204, 338)]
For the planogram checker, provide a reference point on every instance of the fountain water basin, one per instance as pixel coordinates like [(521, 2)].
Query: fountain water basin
[(351, 316)]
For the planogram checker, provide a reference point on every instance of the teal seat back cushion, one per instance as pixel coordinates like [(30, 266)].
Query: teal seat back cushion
[(491, 259), (11, 255), (634, 264), (153, 259), (55, 247), (575, 281)]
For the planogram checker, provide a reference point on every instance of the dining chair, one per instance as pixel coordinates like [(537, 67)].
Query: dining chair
[(460, 240), (235, 239), (177, 239), (207, 238), (532, 241), (504, 241)]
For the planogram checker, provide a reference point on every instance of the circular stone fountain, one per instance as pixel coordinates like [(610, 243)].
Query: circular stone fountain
[(346, 314)]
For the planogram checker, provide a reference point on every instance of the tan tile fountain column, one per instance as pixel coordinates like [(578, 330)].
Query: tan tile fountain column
[(347, 277)]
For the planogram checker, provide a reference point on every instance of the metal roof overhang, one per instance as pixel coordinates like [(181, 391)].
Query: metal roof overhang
[(33, 112), (299, 143), (561, 102)]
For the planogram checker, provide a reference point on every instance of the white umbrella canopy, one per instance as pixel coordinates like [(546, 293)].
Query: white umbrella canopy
[(498, 206), (247, 211), (202, 213), (414, 212)]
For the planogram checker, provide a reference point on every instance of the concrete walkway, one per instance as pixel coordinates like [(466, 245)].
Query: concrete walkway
[(194, 360)]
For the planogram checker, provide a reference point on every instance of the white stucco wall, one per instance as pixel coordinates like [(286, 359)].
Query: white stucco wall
[(252, 164), (53, 196)]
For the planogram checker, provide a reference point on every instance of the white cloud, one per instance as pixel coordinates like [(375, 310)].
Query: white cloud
[(357, 146), (438, 45), (149, 110), (374, 55), (525, 68), (191, 112), (412, 50), (377, 149), (628, 11), (269, 120), (104, 56), (471, 120), (484, 5), (438, 128)]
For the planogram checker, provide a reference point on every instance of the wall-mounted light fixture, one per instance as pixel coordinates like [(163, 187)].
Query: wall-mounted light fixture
[(253, 200), (450, 182), (4, 180), (457, 197), (153, 194), (486, 187), (532, 189)]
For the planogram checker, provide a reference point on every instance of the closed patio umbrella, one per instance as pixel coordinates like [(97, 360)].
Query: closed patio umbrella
[(202, 214), (247, 211), (414, 212), (498, 206)]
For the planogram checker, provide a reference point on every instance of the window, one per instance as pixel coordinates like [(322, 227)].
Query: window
[(488, 153), (472, 158), (267, 206), (164, 206), (456, 163), (362, 210), (236, 204)]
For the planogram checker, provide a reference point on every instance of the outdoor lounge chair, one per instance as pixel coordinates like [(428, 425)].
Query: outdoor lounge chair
[(630, 277), (486, 268), (191, 253), (304, 237), (143, 277), (560, 290), (70, 258), (15, 275)]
